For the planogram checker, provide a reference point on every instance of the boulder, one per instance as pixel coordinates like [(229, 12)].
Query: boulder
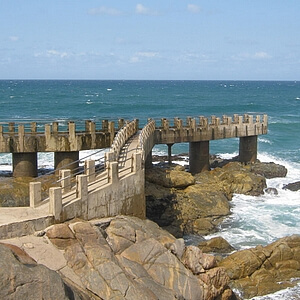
[(240, 180), (61, 235), (200, 211), (216, 245), (22, 278), (294, 186), (268, 170), (170, 178), (263, 270), (197, 261), (271, 191)]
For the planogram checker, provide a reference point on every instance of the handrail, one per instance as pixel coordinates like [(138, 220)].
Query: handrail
[(125, 133), (146, 137)]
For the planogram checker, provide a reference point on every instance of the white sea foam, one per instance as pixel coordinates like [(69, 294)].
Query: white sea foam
[(265, 140), (265, 218), (46, 159), (287, 294)]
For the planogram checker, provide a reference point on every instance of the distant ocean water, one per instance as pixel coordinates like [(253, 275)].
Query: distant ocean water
[(254, 220)]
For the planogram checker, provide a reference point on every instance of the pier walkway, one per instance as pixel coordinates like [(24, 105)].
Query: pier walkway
[(115, 185)]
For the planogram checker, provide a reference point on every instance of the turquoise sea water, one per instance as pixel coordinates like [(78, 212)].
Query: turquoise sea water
[(254, 220), (97, 100)]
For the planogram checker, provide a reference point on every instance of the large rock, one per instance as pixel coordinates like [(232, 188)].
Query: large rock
[(170, 178), (200, 207), (237, 178), (127, 258), (268, 170), (215, 245), (22, 278), (264, 270)]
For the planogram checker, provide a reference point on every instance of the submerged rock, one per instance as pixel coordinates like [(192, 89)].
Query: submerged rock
[(271, 191), (295, 186)]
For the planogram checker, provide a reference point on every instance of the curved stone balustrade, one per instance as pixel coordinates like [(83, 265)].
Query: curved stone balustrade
[(146, 138), (129, 129)]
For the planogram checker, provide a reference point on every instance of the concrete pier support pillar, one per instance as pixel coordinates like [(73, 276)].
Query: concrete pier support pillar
[(199, 156), (170, 154), (68, 160), (248, 149), (24, 164)]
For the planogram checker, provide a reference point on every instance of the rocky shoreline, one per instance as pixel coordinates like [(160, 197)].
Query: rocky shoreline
[(185, 204), (128, 258)]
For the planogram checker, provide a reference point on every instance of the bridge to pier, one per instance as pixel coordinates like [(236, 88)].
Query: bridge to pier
[(24, 141), (116, 185)]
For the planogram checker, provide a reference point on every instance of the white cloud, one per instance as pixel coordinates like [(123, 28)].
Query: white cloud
[(52, 53), (261, 55), (140, 9), (140, 55), (252, 56), (190, 57), (193, 8), (103, 10), (14, 38)]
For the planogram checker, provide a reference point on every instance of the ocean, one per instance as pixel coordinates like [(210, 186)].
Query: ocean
[(254, 220)]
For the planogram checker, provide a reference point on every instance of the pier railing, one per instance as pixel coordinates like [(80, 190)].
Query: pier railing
[(205, 129), (146, 138), (123, 135), (98, 173)]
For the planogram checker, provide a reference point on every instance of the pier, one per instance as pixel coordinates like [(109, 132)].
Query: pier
[(118, 186)]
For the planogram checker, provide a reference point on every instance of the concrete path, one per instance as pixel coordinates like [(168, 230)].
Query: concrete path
[(18, 221)]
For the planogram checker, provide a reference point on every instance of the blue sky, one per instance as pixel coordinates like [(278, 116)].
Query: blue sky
[(118, 39)]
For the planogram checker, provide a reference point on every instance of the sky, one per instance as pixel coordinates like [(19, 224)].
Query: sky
[(157, 39)]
